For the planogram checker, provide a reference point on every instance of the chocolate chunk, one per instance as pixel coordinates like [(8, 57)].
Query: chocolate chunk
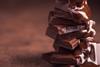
[(67, 42), (58, 58), (52, 31)]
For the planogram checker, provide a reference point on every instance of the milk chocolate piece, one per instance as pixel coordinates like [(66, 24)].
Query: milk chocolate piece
[(52, 31), (62, 21), (67, 42), (59, 13)]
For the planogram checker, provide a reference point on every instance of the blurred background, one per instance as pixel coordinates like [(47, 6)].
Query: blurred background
[(22, 31)]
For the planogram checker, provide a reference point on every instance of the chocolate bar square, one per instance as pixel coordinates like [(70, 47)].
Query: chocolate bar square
[(66, 42), (58, 58), (52, 31)]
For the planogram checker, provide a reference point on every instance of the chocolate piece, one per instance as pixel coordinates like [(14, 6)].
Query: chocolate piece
[(61, 17), (67, 42), (62, 21), (52, 31), (59, 13), (58, 58)]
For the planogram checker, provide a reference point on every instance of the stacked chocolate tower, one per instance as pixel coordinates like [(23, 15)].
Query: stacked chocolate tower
[(71, 27)]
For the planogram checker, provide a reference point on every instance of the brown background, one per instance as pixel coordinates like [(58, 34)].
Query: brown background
[(22, 31)]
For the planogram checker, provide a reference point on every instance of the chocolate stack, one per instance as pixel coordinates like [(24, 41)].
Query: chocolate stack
[(71, 27)]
